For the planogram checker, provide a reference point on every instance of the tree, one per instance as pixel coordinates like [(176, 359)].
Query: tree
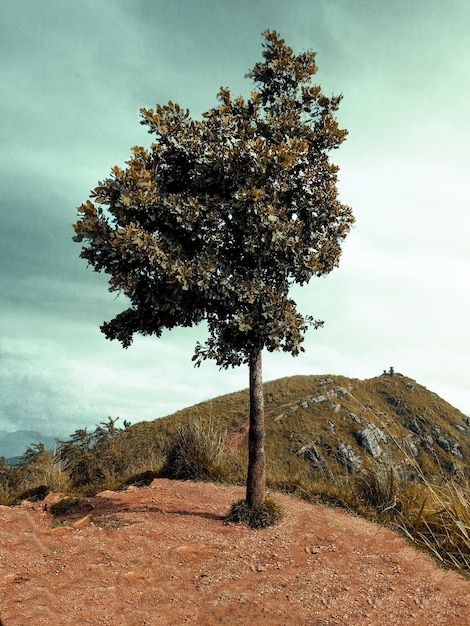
[(220, 217)]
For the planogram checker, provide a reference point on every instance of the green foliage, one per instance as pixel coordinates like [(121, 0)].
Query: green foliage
[(266, 513), (92, 458), (219, 217)]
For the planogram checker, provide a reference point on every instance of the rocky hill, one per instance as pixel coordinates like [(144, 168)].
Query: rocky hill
[(319, 424), (385, 448)]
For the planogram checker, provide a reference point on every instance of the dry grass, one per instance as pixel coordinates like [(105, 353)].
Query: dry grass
[(408, 487), (196, 452)]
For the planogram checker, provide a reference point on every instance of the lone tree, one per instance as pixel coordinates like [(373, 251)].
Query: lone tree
[(219, 217)]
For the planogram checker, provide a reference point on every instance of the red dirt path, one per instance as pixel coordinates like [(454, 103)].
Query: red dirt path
[(162, 555)]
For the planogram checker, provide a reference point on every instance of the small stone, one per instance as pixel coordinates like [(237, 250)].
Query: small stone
[(61, 530), (443, 443), (50, 499), (84, 521)]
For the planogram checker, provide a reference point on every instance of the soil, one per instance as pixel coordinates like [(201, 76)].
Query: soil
[(163, 555)]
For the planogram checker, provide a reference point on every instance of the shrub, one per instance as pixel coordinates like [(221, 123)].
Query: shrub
[(378, 486), (35, 494), (143, 479), (92, 459), (196, 452), (267, 513), (67, 505)]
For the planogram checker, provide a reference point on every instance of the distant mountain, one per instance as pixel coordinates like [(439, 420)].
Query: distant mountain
[(15, 444)]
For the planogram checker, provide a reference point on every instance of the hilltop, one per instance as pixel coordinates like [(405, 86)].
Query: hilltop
[(312, 421), (385, 448)]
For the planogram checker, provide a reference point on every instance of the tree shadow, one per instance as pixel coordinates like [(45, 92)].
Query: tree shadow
[(106, 511)]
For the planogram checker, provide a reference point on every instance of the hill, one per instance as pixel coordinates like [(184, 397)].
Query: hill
[(13, 444), (316, 422), (386, 448)]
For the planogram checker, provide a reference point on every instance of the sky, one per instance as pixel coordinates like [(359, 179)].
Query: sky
[(74, 76)]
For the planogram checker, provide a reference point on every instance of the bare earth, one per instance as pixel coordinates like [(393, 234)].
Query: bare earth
[(163, 555)]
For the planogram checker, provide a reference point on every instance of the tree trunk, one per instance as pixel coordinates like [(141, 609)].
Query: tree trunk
[(256, 479)]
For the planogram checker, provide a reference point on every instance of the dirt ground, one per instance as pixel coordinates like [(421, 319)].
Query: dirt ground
[(162, 555)]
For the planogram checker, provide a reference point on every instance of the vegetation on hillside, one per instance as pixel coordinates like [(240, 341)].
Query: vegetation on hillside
[(416, 480)]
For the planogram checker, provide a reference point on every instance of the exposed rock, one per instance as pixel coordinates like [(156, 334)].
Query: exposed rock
[(324, 381), (443, 443), (355, 418), (417, 425), (83, 521), (369, 439), (348, 458), (407, 473), (458, 427), (400, 407), (456, 451), (311, 454), (410, 447), (428, 441), (51, 498), (456, 472), (341, 391)]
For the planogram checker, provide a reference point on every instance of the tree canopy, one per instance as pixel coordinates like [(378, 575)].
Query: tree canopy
[(220, 216)]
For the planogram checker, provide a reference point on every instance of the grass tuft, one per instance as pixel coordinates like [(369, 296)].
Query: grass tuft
[(266, 514), (196, 452)]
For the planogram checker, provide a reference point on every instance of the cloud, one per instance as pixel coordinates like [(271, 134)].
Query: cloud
[(74, 76)]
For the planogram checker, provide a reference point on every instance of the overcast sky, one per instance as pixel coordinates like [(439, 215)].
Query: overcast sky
[(73, 77)]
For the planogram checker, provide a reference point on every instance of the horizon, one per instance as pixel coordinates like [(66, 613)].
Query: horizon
[(76, 75)]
